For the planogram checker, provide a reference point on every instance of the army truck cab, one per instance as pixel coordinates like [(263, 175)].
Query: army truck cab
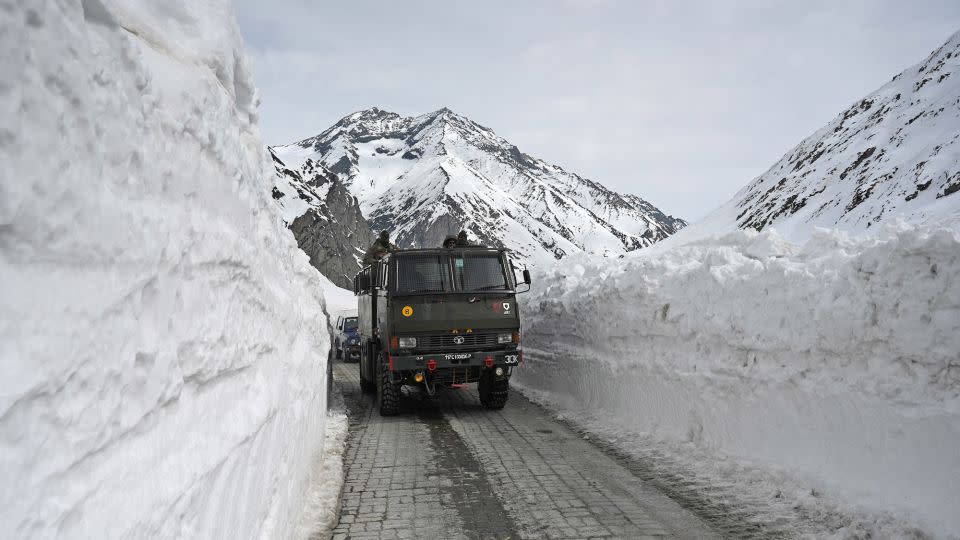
[(445, 316)]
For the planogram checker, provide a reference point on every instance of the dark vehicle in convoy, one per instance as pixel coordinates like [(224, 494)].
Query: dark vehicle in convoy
[(347, 340), (445, 316)]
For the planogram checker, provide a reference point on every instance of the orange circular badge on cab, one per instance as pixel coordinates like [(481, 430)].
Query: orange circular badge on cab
[(407, 311)]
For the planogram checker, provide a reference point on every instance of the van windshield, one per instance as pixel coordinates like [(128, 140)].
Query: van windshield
[(350, 324)]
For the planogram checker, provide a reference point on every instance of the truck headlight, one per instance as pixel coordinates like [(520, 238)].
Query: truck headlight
[(408, 342), (504, 338)]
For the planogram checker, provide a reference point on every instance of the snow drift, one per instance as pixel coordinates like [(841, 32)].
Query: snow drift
[(836, 360), (162, 339)]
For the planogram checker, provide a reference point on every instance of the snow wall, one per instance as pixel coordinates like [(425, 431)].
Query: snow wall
[(162, 339), (837, 361)]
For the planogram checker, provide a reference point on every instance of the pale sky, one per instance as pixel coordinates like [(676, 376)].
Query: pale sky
[(679, 102)]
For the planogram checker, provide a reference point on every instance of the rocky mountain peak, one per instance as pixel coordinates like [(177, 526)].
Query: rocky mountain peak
[(427, 176), (323, 216)]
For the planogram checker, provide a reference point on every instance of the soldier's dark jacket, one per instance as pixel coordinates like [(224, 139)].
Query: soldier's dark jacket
[(376, 252)]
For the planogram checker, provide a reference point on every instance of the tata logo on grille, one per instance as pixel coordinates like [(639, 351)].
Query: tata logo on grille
[(458, 340)]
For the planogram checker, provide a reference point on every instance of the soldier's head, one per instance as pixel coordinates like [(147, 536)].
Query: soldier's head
[(462, 236), (384, 236), (450, 241)]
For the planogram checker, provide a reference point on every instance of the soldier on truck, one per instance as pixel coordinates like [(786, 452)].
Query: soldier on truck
[(380, 247), (439, 317)]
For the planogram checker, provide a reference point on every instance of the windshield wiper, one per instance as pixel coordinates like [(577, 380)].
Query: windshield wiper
[(423, 290), (490, 287)]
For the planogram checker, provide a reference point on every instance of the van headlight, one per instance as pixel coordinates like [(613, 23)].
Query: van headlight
[(408, 342), (504, 338)]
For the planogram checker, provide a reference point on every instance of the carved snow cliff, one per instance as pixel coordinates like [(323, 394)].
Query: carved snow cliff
[(162, 339)]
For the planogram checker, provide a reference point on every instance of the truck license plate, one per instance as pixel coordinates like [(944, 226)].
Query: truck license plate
[(460, 356)]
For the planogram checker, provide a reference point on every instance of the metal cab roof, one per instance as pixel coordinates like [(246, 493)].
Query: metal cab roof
[(482, 249)]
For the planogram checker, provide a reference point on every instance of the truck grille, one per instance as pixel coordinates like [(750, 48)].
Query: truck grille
[(445, 342)]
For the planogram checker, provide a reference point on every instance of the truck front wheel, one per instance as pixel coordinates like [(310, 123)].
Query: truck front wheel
[(493, 393), (388, 393)]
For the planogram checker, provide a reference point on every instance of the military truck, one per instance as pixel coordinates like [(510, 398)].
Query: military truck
[(439, 317)]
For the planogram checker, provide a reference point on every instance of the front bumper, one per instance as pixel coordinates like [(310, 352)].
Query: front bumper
[(352, 351), (454, 360)]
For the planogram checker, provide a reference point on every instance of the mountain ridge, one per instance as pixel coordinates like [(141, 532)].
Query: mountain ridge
[(427, 176), (324, 218), (894, 152)]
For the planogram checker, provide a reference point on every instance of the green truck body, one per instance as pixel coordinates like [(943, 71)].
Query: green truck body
[(431, 317)]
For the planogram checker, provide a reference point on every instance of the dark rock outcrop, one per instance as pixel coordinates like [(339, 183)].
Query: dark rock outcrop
[(331, 230)]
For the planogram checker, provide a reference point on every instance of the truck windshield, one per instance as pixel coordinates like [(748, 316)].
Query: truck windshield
[(350, 324), (479, 272), (422, 273)]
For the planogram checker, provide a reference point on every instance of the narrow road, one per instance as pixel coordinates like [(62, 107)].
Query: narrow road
[(448, 468)]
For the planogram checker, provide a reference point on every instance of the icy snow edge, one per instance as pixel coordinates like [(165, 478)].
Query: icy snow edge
[(163, 341), (836, 361), (322, 511)]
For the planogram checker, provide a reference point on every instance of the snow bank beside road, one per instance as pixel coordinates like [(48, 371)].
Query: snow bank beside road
[(339, 301), (162, 339), (837, 360)]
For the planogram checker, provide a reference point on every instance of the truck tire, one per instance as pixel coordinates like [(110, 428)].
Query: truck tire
[(388, 394), (367, 387), (493, 393)]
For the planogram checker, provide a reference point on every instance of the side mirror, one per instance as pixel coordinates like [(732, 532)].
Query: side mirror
[(526, 276)]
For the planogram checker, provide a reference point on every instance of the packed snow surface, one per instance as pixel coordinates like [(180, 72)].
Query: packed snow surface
[(837, 360), (162, 340), (323, 499), (827, 356), (339, 300)]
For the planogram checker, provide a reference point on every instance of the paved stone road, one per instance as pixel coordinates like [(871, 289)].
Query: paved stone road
[(448, 468)]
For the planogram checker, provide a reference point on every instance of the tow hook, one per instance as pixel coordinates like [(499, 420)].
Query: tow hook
[(430, 387)]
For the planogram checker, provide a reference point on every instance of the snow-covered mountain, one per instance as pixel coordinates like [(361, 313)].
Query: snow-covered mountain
[(429, 176), (896, 152), (324, 217)]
